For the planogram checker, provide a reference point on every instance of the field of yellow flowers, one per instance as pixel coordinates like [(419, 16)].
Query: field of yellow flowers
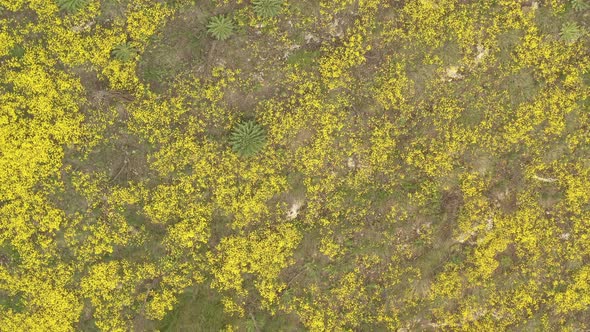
[(294, 165)]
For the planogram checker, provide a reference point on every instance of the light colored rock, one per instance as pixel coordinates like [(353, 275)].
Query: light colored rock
[(83, 27), (452, 73), (481, 53), (294, 210), (335, 29), (310, 38), (544, 179), (490, 224), (464, 237), (350, 162), (290, 50)]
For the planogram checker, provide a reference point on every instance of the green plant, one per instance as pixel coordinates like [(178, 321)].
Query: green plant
[(570, 32), (267, 8), (17, 51), (124, 52), (221, 27), (579, 5), (72, 5), (247, 138)]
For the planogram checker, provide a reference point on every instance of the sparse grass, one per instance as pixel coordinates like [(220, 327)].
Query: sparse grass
[(198, 309), (303, 58), (178, 50)]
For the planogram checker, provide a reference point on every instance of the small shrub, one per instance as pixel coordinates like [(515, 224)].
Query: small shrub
[(570, 32), (72, 5), (17, 52), (267, 8), (124, 52), (579, 5), (220, 27), (247, 138)]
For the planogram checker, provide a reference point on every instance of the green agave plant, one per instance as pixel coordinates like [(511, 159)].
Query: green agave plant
[(124, 52), (72, 5), (221, 27), (267, 8), (247, 138), (570, 32), (579, 5)]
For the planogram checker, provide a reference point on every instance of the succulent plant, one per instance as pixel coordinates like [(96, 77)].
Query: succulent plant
[(72, 5), (247, 138), (579, 5), (124, 52), (221, 27), (570, 32), (267, 8)]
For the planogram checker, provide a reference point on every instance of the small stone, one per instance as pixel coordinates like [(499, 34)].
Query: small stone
[(294, 210), (350, 162), (481, 53), (453, 73)]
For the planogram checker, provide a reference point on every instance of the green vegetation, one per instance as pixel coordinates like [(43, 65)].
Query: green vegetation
[(580, 5), (17, 51), (247, 138), (267, 8), (333, 165), (124, 52), (571, 31), (221, 27), (72, 5)]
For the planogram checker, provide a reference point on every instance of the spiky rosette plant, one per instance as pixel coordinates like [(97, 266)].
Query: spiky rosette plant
[(221, 27), (72, 5), (247, 138), (570, 32), (267, 8), (579, 5), (124, 52)]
